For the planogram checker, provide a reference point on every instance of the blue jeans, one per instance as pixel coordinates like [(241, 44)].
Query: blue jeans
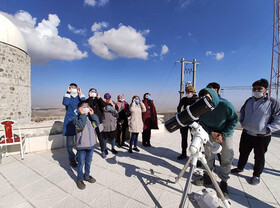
[(113, 142), (133, 140), (69, 146), (84, 159)]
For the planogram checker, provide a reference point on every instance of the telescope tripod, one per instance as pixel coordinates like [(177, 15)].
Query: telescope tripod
[(192, 162)]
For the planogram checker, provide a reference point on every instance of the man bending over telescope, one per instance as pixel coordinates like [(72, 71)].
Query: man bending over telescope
[(219, 124)]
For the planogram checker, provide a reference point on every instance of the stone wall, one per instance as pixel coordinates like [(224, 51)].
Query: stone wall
[(15, 84)]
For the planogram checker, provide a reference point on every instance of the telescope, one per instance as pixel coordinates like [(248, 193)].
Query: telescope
[(190, 114), (189, 117)]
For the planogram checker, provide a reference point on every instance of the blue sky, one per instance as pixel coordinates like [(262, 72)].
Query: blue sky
[(130, 47)]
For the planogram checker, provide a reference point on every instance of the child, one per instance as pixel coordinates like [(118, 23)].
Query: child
[(85, 123)]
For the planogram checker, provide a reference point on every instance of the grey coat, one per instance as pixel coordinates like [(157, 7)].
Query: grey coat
[(110, 119), (85, 130), (135, 122)]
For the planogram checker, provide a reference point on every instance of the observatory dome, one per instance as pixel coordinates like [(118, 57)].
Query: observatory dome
[(10, 34)]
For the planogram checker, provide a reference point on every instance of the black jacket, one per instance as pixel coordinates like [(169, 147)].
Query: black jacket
[(184, 102), (97, 104)]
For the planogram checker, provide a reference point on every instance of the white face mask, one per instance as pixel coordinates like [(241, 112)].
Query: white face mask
[(86, 110), (189, 95), (94, 94), (74, 92), (257, 94)]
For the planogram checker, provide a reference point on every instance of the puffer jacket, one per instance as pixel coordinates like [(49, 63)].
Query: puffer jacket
[(110, 119), (135, 122), (85, 130)]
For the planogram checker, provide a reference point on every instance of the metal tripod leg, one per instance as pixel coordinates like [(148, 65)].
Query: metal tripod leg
[(183, 200), (217, 187), (192, 160), (183, 170)]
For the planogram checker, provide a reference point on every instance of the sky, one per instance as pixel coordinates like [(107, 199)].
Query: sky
[(131, 47)]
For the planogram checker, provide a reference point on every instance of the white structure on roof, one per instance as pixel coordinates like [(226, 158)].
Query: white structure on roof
[(10, 34), (15, 93)]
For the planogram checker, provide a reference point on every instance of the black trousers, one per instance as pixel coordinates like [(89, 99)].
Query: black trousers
[(259, 144), (100, 139), (184, 144), (121, 132), (146, 137)]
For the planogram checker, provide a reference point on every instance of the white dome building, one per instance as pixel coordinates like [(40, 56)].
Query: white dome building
[(15, 84)]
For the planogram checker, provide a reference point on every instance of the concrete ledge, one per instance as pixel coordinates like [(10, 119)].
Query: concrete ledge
[(48, 135)]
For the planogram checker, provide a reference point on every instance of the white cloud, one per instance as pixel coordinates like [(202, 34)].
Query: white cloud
[(93, 3), (154, 54), (77, 31), (164, 50), (208, 53), (90, 2), (98, 26), (103, 2), (145, 32), (185, 3), (218, 56), (43, 41), (122, 42)]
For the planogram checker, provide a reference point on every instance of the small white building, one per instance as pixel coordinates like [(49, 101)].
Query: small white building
[(15, 83)]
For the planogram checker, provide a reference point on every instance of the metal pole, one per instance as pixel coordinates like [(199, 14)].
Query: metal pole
[(273, 44), (194, 73), (278, 55), (182, 78)]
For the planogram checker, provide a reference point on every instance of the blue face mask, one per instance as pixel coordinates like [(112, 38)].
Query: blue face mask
[(137, 101), (149, 97)]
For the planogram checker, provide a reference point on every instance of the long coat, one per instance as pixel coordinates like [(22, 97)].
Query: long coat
[(71, 105), (149, 117), (135, 122)]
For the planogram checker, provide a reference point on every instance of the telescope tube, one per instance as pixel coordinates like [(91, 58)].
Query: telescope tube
[(190, 114)]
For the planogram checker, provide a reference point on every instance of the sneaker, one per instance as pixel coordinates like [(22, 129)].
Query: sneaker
[(224, 189), (205, 180), (255, 180), (181, 157), (144, 145), (124, 145), (73, 164), (81, 185), (236, 171), (114, 151), (106, 152), (90, 179), (136, 149), (103, 155), (130, 150)]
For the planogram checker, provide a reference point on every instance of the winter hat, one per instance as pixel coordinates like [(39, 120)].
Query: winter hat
[(107, 96)]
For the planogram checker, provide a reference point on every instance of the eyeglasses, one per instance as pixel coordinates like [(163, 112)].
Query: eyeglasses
[(85, 106), (73, 87)]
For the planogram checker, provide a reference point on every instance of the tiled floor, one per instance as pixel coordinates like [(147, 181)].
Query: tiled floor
[(144, 179)]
